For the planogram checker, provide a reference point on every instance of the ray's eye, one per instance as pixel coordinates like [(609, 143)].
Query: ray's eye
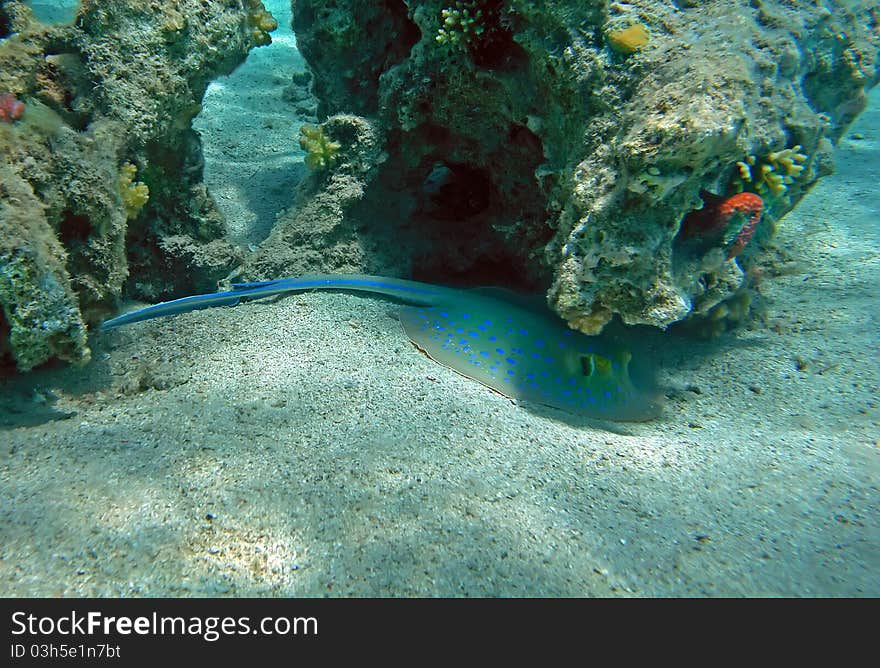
[(588, 366)]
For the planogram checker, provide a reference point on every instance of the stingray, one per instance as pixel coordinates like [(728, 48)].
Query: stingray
[(523, 352)]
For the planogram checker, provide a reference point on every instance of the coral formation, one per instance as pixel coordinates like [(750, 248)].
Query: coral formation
[(116, 87), (533, 153), (261, 21), (628, 40), (322, 232), (729, 222), (134, 194), (321, 151), (773, 174), (40, 316), (461, 24), (11, 108)]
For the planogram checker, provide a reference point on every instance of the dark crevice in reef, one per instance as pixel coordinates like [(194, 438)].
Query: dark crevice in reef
[(455, 192), (496, 49), (74, 228), (7, 361), (5, 23), (471, 218), (384, 36)]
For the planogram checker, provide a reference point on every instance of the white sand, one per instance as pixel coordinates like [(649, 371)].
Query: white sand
[(250, 136), (304, 448)]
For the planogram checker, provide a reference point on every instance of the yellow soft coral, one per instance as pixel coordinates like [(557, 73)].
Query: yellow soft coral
[(321, 151), (134, 194), (772, 174), (261, 22)]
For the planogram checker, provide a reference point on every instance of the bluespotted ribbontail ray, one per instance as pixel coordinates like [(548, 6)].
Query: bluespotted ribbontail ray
[(522, 353)]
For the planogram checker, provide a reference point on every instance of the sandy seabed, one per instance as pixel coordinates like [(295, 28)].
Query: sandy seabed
[(303, 447)]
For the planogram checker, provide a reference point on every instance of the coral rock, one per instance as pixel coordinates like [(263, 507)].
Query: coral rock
[(629, 40), (11, 109)]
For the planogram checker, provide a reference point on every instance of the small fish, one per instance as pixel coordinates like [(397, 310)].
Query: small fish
[(522, 353)]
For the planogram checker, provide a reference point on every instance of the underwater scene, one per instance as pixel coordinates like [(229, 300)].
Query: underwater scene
[(439, 298)]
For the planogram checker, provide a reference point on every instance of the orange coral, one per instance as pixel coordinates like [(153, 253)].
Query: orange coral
[(748, 204), (629, 40), (719, 221)]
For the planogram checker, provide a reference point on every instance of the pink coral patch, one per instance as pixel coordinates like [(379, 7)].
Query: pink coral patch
[(11, 108)]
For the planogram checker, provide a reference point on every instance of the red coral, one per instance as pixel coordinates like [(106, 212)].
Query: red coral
[(11, 108), (712, 222), (748, 204)]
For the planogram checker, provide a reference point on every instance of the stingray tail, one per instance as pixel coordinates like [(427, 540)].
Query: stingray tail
[(409, 291)]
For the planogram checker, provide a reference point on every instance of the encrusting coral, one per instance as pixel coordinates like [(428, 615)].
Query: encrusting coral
[(134, 194), (321, 151), (628, 40)]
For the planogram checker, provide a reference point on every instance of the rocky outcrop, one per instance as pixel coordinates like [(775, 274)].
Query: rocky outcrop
[(563, 144), (101, 175)]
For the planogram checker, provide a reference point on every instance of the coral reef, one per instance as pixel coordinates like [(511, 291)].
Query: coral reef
[(321, 151), (11, 108), (628, 40), (134, 194), (322, 231), (118, 87), (562, 145)]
